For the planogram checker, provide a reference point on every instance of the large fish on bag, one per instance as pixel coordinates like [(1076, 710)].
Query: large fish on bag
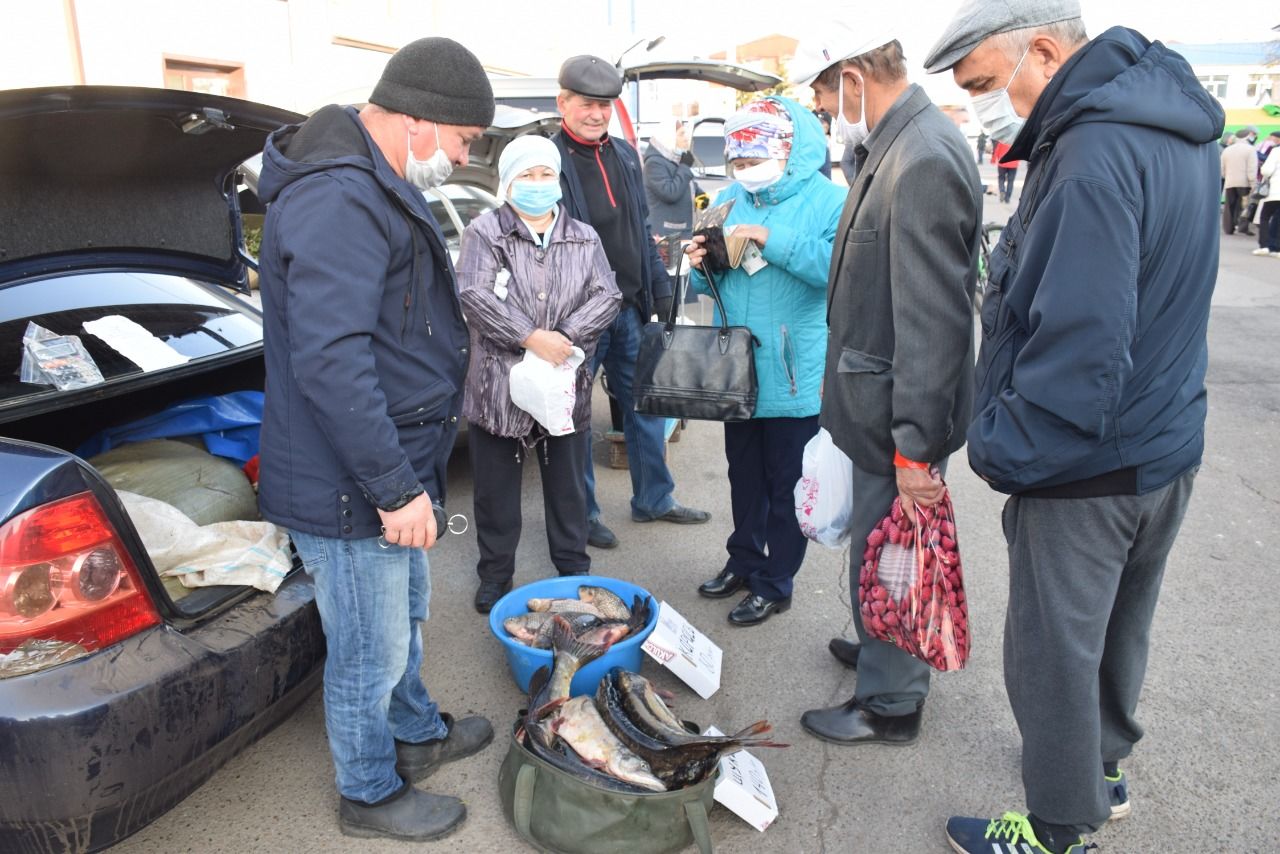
[(677, 758), (580, 725)]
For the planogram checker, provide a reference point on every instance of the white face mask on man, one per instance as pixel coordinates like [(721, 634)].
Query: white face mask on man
[(847, 132), (995, 110), (432, 172)]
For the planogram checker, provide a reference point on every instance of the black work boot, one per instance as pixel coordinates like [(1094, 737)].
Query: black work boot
[(409, 814), (467, 736)]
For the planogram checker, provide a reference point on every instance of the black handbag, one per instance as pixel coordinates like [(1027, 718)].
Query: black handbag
[(706, 373)]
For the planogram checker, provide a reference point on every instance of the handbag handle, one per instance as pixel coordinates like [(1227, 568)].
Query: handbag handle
[(523, 800), (696, 814), (715, 295)]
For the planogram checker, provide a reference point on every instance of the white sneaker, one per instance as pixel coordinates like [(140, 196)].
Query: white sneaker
[(1263, 252), (1275, 254)]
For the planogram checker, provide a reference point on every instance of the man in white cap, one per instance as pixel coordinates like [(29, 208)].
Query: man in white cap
[(1090, 408), (899, 367)]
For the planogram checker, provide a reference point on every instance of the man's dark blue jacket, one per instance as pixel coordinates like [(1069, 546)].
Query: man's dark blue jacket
[(365, 342), (1091, 375)]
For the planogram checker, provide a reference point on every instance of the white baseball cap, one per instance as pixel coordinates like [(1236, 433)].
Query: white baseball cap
[(835, 42)]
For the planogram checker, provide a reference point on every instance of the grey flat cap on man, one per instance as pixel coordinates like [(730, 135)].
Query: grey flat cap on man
[(591, 76), (978, 20)]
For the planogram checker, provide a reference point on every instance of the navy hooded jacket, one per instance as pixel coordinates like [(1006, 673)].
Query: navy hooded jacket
[(366, 348), (1091, 376)]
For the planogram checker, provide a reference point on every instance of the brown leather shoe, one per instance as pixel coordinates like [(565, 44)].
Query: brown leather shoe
[(852, 724)]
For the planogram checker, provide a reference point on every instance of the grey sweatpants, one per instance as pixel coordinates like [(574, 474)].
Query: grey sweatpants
[(1084, 576), (890, 682)]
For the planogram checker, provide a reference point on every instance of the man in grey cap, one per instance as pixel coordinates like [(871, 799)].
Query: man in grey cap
[(1090, 405), (366, 351), (899, 361), (604, 187)]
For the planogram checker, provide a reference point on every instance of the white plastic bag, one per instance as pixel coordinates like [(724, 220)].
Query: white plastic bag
[(546, 391), (254, 554), (824, 493)]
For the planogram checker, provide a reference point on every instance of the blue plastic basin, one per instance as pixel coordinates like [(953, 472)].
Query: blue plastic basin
[(524, 661)]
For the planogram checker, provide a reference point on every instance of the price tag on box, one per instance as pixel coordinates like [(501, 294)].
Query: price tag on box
[(744, 789), (685, 651)]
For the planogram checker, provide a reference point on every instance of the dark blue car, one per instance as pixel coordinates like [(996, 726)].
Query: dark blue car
[(118, 695)]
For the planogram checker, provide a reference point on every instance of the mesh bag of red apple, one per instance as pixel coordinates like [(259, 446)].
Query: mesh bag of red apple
[(910, 587)]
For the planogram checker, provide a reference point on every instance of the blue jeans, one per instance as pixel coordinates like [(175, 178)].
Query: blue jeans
[(372, 603), (651, 483)]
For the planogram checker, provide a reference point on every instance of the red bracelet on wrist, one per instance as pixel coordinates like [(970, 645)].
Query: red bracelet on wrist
[(902, 462)]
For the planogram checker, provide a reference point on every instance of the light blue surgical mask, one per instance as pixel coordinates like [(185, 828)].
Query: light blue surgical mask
[(534, 197)]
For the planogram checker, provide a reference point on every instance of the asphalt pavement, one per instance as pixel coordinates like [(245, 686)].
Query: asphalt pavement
[(1202, 780)]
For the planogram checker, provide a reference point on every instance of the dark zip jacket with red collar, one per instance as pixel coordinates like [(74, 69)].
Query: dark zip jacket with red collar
[(654, 281)]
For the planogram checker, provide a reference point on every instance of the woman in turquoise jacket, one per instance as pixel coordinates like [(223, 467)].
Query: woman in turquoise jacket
[(789, 211)]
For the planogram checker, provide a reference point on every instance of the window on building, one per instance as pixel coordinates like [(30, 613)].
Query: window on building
[(1263, 84), (1215, 83), (201, 75)]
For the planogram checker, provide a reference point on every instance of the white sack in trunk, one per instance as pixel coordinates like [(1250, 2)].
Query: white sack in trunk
[(252, 554)]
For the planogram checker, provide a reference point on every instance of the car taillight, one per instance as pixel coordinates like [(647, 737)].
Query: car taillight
[(67, 584)]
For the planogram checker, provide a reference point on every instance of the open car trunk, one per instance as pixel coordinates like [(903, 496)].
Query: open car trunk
[(127, 465)]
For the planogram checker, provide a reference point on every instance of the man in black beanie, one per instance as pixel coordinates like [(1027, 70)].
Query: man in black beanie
[(366, 351)]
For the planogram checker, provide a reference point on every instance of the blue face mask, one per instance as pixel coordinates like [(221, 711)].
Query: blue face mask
[(535, 197)]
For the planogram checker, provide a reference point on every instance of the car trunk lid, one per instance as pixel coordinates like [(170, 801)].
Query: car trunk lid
[(142, 177)]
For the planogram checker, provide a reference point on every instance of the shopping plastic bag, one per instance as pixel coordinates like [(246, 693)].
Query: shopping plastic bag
[(546, 391), (911, 588), (824, 493)]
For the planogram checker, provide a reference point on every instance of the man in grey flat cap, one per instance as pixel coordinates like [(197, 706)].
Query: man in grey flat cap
[(366, 351), (899, 363), (604, 187), (1090, 406)]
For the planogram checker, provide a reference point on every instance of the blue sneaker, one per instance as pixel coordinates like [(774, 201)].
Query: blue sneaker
[(1118, 793), (1011, 834)]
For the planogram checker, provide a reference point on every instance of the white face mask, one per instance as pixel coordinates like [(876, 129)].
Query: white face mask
[(851, 133), (432, 172), (759, 177), (995, 110)]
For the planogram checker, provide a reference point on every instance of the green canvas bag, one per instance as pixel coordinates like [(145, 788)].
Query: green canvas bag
[(556, 812)]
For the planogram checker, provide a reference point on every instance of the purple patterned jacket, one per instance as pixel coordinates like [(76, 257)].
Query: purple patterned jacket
[(567, 287)]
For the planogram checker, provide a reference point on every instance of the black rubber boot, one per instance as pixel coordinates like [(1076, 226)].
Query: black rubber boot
[(409, 814)]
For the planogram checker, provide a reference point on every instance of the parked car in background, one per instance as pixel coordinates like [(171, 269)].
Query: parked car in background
[(119, 693)]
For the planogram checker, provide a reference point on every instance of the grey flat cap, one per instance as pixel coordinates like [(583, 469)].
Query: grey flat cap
[(590, 76), (978, 20)]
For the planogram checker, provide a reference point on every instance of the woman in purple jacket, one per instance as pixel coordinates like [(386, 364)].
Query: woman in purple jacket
[(531, 278)]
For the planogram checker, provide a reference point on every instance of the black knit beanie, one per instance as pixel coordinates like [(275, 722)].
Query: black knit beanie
[(436, 79)]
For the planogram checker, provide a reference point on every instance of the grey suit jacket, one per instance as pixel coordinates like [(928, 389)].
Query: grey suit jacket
[(899, 370)]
